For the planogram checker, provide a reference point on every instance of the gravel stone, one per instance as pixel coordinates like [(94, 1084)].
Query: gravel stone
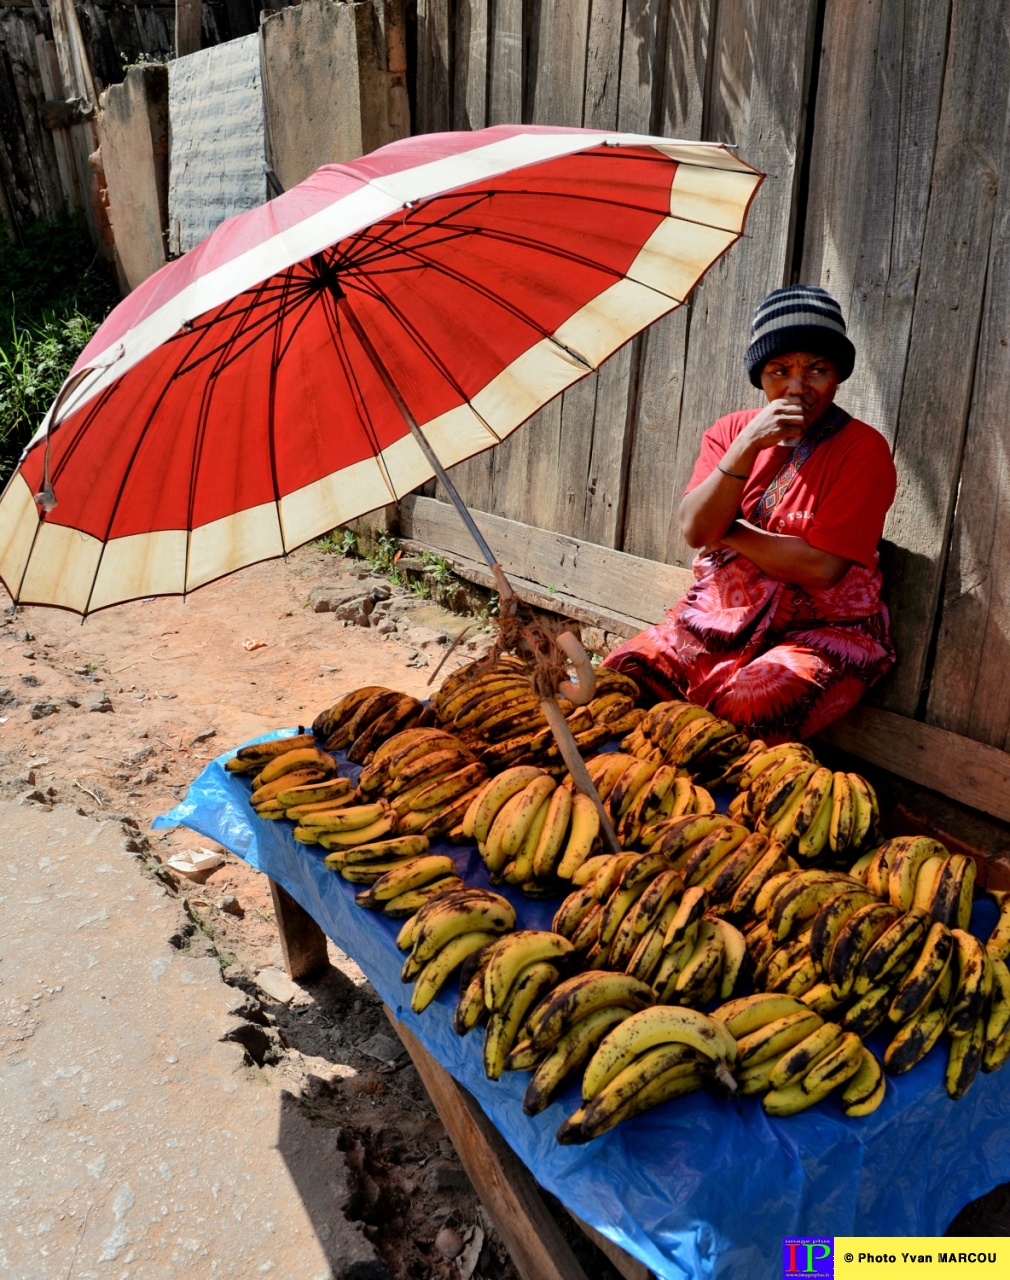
[(8, 699), (99, 702), (232, 905), (30, 680), (448, 1243), (385, 1048), (39, 710), (277, 985)]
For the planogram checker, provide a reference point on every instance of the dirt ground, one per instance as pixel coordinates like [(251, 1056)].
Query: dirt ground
[(116, 715)]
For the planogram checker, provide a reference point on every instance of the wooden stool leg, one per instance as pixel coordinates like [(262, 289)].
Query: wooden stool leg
[(303, 943), (505, 1186)]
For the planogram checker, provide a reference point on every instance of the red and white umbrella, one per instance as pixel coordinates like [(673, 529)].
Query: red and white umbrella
[(315, 358)]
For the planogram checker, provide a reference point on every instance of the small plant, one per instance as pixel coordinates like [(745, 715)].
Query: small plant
[(438, 568), (384, 556), (54, 292)]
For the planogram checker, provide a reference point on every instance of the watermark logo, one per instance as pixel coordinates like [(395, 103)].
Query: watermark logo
[(808, 1258)]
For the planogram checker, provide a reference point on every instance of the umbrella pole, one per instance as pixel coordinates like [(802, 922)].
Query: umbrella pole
[(552, 712)]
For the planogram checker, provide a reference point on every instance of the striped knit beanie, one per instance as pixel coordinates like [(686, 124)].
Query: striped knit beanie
[(802, 317)]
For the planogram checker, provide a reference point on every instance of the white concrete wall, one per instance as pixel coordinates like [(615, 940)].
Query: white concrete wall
[(215, 139)]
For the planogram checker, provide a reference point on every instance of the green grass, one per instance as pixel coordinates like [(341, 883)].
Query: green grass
[(54, 292)]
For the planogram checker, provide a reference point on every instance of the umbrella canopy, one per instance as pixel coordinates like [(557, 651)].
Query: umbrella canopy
[(257, 392)]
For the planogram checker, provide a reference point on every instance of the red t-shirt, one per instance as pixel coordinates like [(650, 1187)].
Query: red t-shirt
[(840, 497)]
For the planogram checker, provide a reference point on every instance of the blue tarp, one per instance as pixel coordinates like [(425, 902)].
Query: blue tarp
[(702, 1187)]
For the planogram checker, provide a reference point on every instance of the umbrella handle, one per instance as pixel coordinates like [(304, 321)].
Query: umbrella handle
[(577, 768), (583, 689)]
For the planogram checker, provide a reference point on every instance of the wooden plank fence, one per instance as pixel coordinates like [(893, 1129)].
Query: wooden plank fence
[(885, 132), (55, 59)]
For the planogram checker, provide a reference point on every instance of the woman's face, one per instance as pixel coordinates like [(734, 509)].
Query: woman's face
[(808, 380)]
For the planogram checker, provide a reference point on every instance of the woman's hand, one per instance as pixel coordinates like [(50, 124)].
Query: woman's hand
[(779, 422), (708, 510)]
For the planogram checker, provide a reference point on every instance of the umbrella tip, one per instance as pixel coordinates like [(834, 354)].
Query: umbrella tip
[(45, 498)]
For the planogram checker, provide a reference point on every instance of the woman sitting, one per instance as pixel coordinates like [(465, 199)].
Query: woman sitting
[(783, 629)]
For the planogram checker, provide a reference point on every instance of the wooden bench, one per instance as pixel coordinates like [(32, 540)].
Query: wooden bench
[(507, 1189)]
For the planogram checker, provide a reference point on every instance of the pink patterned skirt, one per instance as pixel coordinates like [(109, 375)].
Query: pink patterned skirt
[(779, 661)]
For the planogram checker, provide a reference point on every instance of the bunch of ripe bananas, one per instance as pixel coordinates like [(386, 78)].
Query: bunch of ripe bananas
[(632, 914), (795, 1058), (530, 831), (639, 793), (828, 941), (566, 1026), (808, 808), (497, 713), (917, 871), (427, 777), (656, 1054), (363, 719), (445, 931), (258, 756), (404, 890), (502, 984), (691, 739)]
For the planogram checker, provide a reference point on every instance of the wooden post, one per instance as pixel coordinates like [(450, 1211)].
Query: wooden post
[(303, 943), (188, 21), (505, 1186)]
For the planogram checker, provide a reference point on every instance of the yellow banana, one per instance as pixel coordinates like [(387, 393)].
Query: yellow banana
[(447, 917), (583, 831), (414, 875), (498, 792), (449, 787), (408, 904), (582, 995), (568, 1054), (553, 832), (351, 818), (504, 1025), (797, 1061), (359, 836), (660, 1024), (864, 1091), (515, 952), (751, 1013), (433, 976)]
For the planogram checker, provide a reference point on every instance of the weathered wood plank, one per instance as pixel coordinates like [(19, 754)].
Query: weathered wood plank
[(526, 482), (603, 67), (969, 690), (969, 772), (434, 67), (652, 471), (595, 575), (505, 1186), (948, 307), (49, 75), (759, 83), (188, 24), (534, 593), (639, 46), (505, 62), (558, 71), (470, 93), (303, 943), (20, 48), (878, 104)]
